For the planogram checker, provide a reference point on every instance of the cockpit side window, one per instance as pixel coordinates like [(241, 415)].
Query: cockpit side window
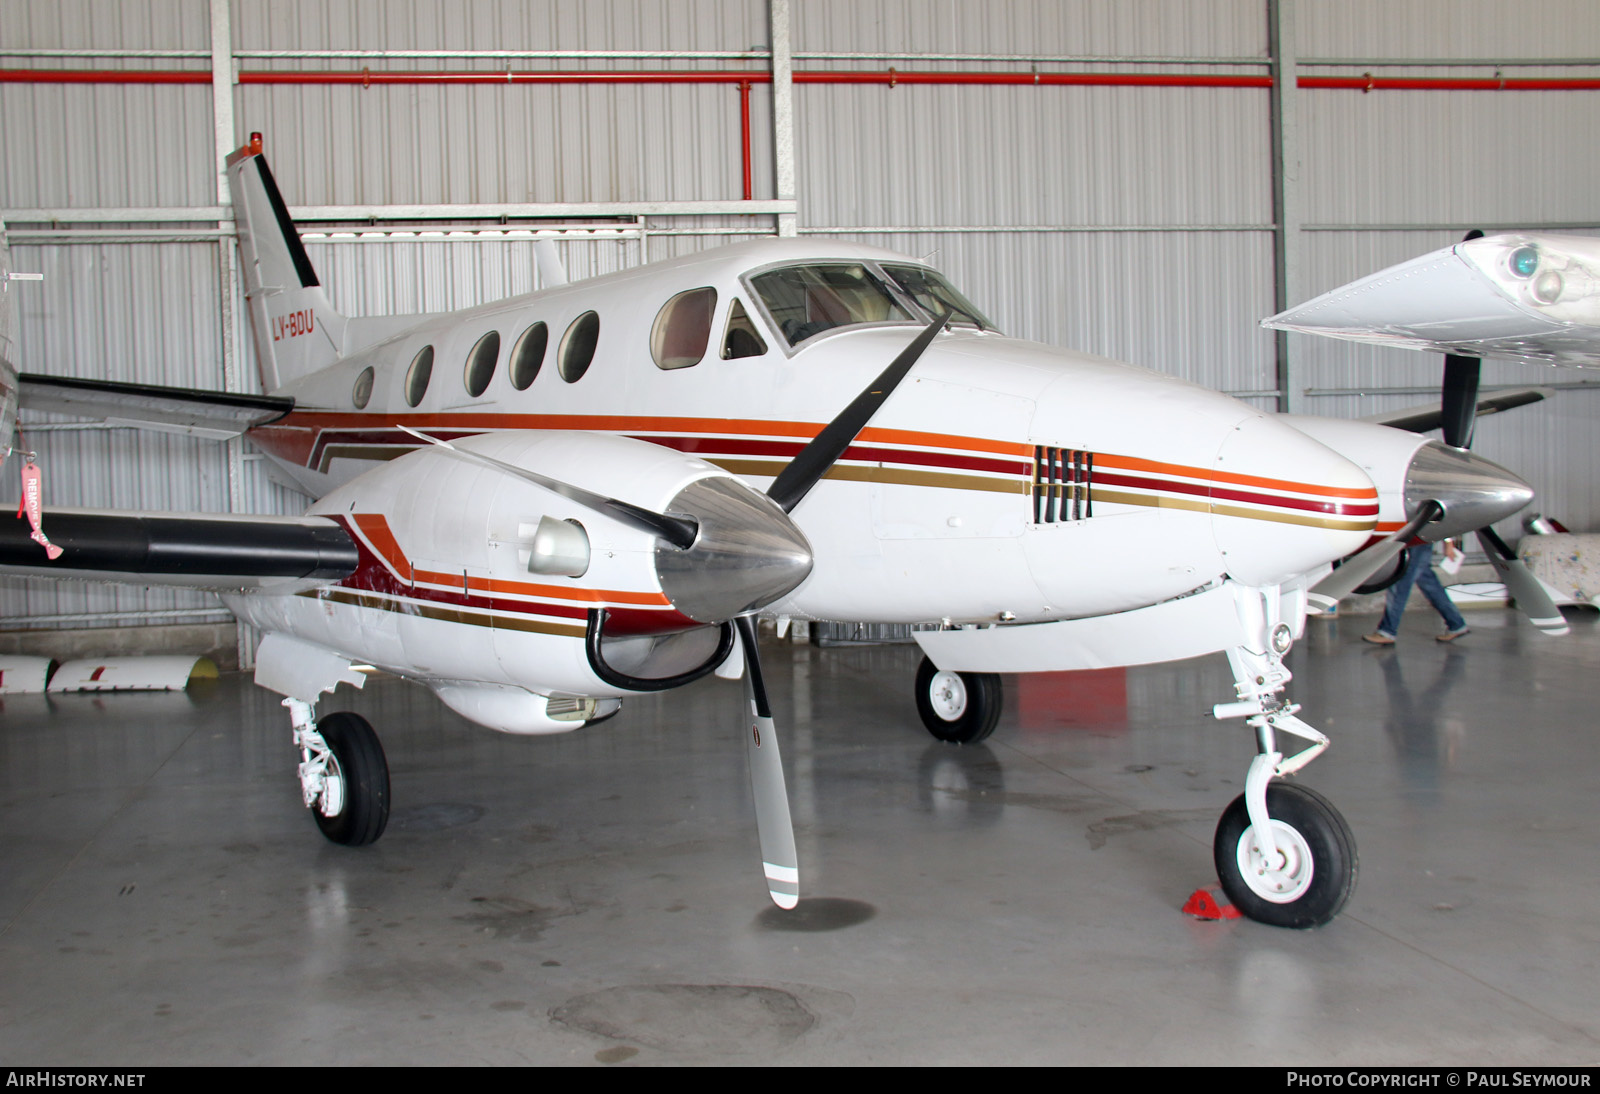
[(936, 296), (742, 339), (683, 329), (806, 300)]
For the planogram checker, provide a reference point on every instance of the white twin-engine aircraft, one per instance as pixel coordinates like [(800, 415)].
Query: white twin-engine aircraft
[(542, 506)]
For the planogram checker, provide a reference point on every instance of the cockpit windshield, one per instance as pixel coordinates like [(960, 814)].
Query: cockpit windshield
[(807, 300), (936, 296)]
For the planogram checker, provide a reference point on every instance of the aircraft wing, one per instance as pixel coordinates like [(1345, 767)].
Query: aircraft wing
[(196, 550), (217, 415), (1517, 295)]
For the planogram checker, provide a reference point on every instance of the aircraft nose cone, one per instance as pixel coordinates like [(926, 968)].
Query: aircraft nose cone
[(747, 555), (1474, 492)]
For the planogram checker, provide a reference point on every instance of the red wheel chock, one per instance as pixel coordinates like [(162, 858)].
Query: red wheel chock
[(1207, 902)]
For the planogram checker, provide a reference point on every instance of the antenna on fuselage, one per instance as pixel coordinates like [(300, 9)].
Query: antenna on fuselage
[(552, 274)]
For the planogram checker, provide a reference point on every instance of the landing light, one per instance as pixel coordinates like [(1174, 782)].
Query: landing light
[(1524, 261), (1547, 288), (1282, 639), (560, 548)]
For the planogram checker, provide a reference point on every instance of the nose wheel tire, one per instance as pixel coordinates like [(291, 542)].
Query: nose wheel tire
[(1311, 875), (958, 707), (354, 805)]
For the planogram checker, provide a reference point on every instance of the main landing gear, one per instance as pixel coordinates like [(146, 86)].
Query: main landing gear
[(958, 707), (343, 775)]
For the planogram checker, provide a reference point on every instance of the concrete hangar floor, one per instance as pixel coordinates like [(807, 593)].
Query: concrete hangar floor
[(596, 898)]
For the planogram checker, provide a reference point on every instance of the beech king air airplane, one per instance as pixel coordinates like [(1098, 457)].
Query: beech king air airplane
[(539, 507)]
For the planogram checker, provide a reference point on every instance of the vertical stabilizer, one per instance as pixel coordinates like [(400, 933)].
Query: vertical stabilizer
[(8, 348), (296, 330)]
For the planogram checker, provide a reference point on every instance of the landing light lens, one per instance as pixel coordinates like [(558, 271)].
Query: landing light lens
[(1547, 288), (560, 548), (1524, 261), (1282, 639)]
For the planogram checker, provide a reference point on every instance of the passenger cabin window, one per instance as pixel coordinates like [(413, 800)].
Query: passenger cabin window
[(418, 375), (577, 347), (527, 355), (806, 300), (742, 338), (936, 296), (481, 360), (361, 394), (683, 329)]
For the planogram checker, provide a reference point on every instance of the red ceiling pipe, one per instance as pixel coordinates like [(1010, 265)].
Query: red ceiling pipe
[(889, 78), (1449, 83), (893, 78), (744, 135), (103, 76)]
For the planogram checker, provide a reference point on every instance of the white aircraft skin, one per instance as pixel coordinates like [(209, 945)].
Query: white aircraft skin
[(1052, 510)]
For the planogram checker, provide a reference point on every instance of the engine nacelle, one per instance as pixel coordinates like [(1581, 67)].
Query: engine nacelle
[(486, 584)]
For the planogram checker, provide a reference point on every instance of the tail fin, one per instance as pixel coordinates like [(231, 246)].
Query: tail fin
[(296, 330), (8, 368)]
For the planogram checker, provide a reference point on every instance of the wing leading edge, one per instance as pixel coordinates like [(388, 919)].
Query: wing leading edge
[(1518, 295)]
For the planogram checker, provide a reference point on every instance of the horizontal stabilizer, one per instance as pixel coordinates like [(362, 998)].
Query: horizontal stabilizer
[(217, 415), (1517, 295), (1421, 419), (198, 550)]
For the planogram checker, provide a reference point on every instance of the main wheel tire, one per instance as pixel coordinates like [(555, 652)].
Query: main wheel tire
[(1317, 859), (958, 707), (357, 762)]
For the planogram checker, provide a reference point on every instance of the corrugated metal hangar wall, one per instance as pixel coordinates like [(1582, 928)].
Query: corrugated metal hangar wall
[(1094, 173)]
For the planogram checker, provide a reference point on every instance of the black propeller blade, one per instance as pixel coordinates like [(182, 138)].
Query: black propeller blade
[(779, 859), (795, 481), (1458, 400), (1528, 591), (1357, 569)]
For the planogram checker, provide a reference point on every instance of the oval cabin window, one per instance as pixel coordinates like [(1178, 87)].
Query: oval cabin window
[(361, 394), (418, 375), (527, 355), (480, 363), (578, 345)]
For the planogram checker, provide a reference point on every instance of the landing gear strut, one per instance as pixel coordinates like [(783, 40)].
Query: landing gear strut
[(958, 707), (1283, 853), (344, 778)]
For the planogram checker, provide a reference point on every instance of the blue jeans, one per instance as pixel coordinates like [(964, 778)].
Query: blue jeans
[(1419, 571)]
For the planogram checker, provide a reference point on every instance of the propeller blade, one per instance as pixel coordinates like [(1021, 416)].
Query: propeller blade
[(1458, 400), (677, 531), (796, 480), (1528, 591), (1359, 568), (779, 859)]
